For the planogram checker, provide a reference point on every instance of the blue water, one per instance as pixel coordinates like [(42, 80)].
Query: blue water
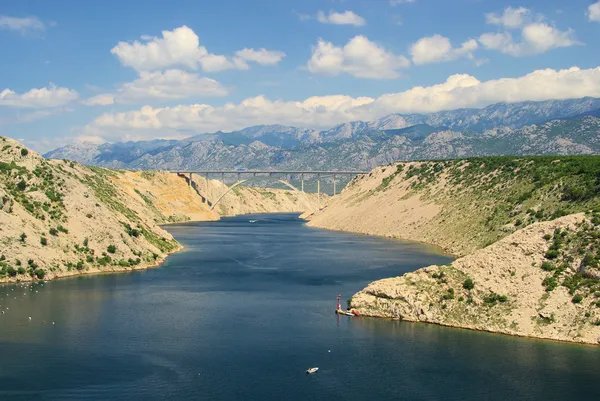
[(245, 310)]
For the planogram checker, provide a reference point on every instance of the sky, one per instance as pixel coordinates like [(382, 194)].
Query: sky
[(93, 71)]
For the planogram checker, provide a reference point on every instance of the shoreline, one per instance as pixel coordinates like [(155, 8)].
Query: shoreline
[(74, 274), (500, 333), (121, 270), (439, 249)]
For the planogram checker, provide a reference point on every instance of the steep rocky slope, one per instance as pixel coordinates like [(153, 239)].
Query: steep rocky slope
[(515, 286), (59, 218), (528, 231), (463, 205)]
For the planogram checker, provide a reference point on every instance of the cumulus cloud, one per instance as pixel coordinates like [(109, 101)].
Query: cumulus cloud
[(359, 57), (344, 18), (437, 48), (181, 47), (325, 111), (260, 56), (51, 96), (105, 99), (593, 11), (511, 18), (157, 85), (536, 38), (21, 25)]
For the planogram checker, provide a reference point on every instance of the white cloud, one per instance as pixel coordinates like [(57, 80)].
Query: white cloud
[(181, 47), (593, 11), (105, 99), (536, 38), (325, 111), (344, 18), (157, 85), (51, 96), (21, 24), (511, 18), (437, 48), (359, 57), (260, 56)]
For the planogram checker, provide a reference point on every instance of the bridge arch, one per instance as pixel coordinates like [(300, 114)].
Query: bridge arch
[(240, 182)]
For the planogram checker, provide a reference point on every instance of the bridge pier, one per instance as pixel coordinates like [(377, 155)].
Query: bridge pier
[(190, 181), (319, 188), (334, 185), (302, 180)]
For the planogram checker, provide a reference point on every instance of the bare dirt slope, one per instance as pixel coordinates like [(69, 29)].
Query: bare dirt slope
[(512, 290), (528, 231), (59, 218)]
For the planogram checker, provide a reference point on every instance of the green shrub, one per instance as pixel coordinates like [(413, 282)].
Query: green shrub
[(547, 266), (11, 271), (40, 273), (53, 231), (43, 241), (551, 254), (24, 152), (577, 298), (468, 284), (21, 270), (23, 237), (22, 185), (547, 237), (550, 283), (111, 249), (493, 298)]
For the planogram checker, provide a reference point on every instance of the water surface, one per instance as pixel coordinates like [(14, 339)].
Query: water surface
[(245, 310)]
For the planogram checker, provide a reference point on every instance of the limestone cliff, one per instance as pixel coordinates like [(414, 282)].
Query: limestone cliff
[(532, 254), (60, 218)]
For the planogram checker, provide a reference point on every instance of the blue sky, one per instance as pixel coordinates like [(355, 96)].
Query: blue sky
[(72, 71)]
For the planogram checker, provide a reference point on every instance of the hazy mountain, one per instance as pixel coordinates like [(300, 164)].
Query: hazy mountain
[(550, 127)]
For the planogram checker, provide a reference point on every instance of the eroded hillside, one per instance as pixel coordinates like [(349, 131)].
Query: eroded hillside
[(542, 281), (60, 218), (464, 205), (529, 227)]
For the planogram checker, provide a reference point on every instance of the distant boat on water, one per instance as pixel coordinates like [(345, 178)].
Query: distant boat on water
[(312, 370), (252, 221)]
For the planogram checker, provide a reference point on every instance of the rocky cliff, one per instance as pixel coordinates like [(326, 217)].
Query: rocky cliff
[(60, 218), (527, 231)]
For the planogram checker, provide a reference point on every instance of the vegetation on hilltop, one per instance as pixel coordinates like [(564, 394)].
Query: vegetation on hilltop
[(493, 196)]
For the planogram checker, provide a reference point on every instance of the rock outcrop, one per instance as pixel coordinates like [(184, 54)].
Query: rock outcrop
[(527, 231)]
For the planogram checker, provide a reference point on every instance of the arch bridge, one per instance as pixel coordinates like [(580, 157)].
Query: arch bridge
[(282, 176)]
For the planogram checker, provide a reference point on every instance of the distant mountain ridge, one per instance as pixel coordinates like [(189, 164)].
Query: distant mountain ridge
[(525, 128)]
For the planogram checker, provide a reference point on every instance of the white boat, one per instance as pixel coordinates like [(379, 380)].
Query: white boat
[(252, 221), (311, 370)]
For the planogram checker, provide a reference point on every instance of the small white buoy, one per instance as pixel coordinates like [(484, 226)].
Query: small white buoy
[(29, 317), (328, 350), (52, 322)]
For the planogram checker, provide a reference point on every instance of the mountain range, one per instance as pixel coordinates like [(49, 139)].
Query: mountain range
[(525, 128)]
